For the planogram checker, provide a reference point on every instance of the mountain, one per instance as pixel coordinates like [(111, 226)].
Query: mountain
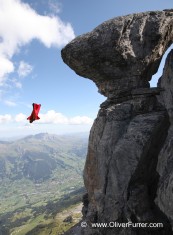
[(40, 175), (36, 156)]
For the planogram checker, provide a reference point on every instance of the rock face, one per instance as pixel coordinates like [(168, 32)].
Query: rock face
[(164, 198), (129, 167)]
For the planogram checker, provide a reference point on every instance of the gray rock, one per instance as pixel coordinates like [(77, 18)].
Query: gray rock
[(166, 83), (164, 197), (68, 219), (122, 53), (128, 171)]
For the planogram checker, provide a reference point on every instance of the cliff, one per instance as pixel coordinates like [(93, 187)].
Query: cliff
[(129, 167)]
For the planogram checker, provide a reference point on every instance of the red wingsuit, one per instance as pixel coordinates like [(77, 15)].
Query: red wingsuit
[(34, 115)]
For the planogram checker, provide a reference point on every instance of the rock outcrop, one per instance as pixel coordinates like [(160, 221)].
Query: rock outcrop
[(129, 167), (164, 198)]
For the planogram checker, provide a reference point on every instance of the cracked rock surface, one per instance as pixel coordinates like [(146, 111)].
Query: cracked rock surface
[(129, 167)]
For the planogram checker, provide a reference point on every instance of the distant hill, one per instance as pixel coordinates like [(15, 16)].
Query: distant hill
[(40, 176), (35, 157)]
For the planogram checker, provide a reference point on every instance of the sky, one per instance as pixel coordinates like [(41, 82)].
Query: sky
[(32, 34)]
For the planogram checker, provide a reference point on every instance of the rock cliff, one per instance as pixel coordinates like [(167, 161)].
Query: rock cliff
[(129, 167)]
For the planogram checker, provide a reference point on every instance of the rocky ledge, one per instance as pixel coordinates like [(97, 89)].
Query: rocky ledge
[(129, 167)]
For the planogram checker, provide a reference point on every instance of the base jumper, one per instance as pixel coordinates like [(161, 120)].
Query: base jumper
[(34, 115)]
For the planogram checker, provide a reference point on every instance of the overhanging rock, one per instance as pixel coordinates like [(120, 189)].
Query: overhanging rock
[(132, 134)]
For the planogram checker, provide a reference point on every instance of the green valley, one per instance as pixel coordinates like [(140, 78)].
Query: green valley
[(41, 176)]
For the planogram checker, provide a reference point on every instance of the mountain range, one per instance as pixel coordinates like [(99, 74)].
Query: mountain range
[(40, 176), (36, 156)]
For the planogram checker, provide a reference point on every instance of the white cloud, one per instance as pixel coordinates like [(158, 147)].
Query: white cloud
[(5, 118), (20, 24), (78, 120), (5, 68), (10, 103), (24, 69), (54, 6), (51, 117), (20, 117), (58, 118), (17, 83)]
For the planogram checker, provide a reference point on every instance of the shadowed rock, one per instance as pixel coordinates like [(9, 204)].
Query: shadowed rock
[(125, 181), (164, 197)]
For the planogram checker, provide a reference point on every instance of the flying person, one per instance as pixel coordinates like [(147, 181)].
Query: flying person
[(34, 115)]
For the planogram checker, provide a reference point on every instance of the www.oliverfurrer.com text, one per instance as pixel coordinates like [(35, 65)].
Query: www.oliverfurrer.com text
[(122, 225)]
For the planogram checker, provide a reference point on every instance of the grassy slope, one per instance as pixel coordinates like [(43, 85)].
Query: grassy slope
[(46, 222), (28, 206)]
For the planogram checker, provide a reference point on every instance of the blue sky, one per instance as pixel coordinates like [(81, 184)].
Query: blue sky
[(32, 34)]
